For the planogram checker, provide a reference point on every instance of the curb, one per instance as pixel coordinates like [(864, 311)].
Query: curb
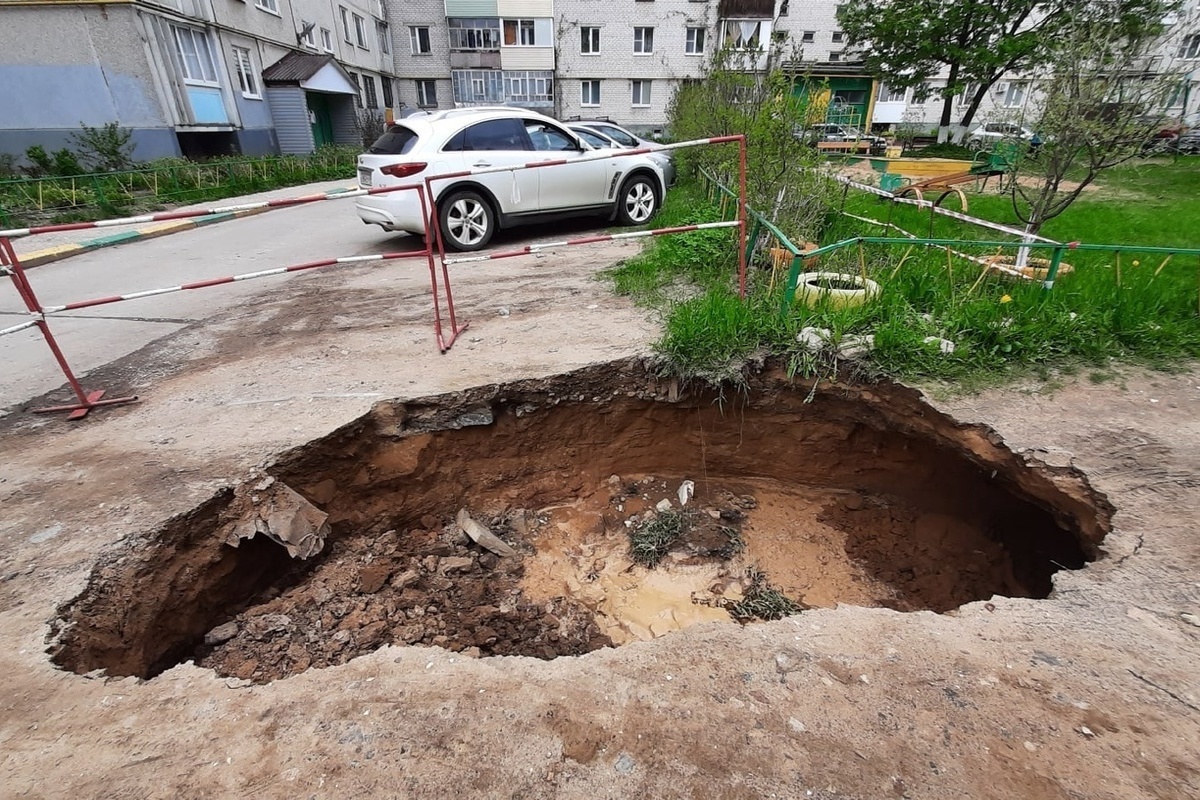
[(62, 251)]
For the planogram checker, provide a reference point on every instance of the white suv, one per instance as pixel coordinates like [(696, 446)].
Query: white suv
[(470, 209)]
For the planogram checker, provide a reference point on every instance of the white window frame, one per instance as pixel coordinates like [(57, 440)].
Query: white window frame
[(735, 26), (643, 38), (346, 34), (694, 41), (887, 94), (202, 50), (269, 6), (968, 92), (593, 34), (309, 39), (423, 99), (1015, 99), (248, 81), (385, 37), (1189, 48), (523, 25), (414, 40), (460, 35), (589, 94), (808, 37), (837, 37), (327, 40), (640, 93), (835, 56), (360, 32)]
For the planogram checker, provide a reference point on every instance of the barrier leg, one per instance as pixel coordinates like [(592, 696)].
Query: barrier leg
[(87, 400), (433, 233)]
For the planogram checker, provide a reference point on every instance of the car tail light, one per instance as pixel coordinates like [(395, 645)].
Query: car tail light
[(403, 170)]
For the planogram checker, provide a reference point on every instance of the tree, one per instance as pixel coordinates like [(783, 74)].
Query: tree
[(783, 181), (910, 42), (1109, 75)]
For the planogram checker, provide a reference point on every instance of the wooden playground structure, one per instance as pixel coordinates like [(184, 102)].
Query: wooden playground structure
[(943, 175)]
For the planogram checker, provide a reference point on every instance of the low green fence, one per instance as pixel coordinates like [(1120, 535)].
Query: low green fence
[(953, 247), (175, 182)]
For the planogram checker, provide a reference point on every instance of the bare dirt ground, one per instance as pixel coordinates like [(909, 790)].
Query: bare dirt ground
[(1092, 693)]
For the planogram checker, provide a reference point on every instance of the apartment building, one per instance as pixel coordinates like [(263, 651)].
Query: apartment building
[(193, 77)]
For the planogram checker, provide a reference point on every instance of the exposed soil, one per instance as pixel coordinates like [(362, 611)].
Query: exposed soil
[(853, 498)]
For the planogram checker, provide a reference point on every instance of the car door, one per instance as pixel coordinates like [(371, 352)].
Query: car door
[(570, 185), (499, 143)]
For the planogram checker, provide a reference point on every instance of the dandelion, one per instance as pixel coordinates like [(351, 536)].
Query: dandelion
[(1006, 299), (1137, 263)]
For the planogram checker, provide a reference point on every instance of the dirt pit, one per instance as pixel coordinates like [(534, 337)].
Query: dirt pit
[(601, 507)]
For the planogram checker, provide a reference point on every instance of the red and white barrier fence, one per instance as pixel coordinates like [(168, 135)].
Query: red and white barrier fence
[(168, 216), (10, 265)]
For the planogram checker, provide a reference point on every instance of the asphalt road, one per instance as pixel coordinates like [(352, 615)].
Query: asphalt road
[(95, 336)]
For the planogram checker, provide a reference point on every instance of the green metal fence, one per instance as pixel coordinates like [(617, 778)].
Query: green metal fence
[(71, 198), (1058, 250)]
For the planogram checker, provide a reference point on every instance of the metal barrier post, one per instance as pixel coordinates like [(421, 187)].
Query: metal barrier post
[(87, 400)]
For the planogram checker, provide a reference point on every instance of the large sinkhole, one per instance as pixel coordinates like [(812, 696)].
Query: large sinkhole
[(619, 507)]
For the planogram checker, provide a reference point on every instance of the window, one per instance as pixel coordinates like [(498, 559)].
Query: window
[(388, 97), (360, 32), (474, 86), (534, 88), (418, 37), (887, 94), (548, 137), (396, 140), (358, 87), (345, 24), (1014, 96), (838, 37), (783, 8), (968, 93), (385, 37), (616, 134), (427, 94), (808, 37), (327, 40), (835, 55), (1190, 48), (270, 6), (309, 39), (590, 95), (519, 33), (643, 40), (589, 41), (495, 134), (641, 92), (695, 42), (369, 91), (245, 73), (195, 56), (743, 34), (474, 34), (594, 139)]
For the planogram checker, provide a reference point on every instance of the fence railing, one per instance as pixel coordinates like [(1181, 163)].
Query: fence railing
[(1058, 250), (63, 198)]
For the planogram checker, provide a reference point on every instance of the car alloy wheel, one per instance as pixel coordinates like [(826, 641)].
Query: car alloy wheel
[(639, 201), (467, 221)]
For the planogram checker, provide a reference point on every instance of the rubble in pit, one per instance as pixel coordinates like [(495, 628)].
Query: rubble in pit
[(426, 586)]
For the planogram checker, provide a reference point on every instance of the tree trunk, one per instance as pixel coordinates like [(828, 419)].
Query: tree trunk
[(1031, 230), (969, 115), (947, 105)]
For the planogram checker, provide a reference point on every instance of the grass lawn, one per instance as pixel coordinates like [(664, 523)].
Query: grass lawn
[(1001, 328)]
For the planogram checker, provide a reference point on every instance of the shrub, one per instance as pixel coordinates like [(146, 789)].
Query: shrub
[(108, 148)]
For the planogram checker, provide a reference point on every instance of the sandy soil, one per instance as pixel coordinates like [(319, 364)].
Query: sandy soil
[(1092, 693)]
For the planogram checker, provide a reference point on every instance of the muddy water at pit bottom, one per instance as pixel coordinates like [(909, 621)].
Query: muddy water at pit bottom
[(579, 556)]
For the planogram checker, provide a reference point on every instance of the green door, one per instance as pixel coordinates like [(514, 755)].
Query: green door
[(319, 116)]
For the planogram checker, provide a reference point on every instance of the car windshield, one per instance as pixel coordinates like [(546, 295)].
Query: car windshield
[(398, 140), (618, 135), (594, 139)]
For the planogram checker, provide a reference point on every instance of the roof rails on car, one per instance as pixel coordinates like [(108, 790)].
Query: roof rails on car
[(587, 119), (464, 111)]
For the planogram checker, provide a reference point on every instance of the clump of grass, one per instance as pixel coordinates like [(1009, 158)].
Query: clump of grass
[(650, 539), (763, 601)]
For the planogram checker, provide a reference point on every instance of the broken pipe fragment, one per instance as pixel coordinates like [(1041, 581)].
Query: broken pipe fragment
[(482, 536)]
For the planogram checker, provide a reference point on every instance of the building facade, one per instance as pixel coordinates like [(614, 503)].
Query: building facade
[(191, 77), (201, 77)]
